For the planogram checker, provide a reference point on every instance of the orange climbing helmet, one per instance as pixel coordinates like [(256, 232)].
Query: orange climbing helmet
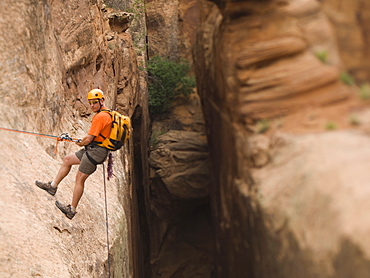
[(95, 94)]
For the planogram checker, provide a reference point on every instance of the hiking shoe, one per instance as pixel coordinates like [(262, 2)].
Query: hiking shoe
[(67, 210), (47, 187)]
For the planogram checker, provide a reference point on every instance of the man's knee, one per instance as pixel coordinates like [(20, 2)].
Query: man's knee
[(70, 160), (81, 177)]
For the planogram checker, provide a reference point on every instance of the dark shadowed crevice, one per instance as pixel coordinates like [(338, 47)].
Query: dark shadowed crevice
[(140, 246)]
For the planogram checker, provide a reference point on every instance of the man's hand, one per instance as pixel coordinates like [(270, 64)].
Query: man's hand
[(85, 141)]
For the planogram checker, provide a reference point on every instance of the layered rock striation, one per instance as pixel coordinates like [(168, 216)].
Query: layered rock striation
[(275, 198)]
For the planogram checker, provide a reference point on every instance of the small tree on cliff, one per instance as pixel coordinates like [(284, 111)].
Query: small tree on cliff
[(167, 79)]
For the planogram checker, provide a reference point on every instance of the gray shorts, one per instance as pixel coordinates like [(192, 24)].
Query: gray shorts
[(96, 153)]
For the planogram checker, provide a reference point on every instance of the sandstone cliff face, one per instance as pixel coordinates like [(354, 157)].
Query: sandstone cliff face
[(273, 62), (181, 231), (276, 205), (53, 53), (172, 27), (180, 234), (351, 22), (283, 204)]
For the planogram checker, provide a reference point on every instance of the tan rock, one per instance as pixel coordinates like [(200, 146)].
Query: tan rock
[(53, 53), (181, 161), (180, 231), (351, 22), (172, 26), (283, 204), (306, 192)]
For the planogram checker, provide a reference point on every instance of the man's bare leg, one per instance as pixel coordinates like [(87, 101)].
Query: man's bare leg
[(70, 210), (79, 188), (51, 187), (68, 161)]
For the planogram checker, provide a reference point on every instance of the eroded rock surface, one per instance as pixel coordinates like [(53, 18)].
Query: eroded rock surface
[(180, 227), (313, 196), (172, 26), (351, 22), (181, 231), (53, 53), (271, 66), (181, 160), (283, 204)]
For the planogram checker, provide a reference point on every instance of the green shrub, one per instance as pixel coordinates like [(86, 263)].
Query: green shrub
[(322, 56), (263, 125), (331, 126), (354, 120), (167, 79), (364, 92), (135, 7), (347, 79), (153, 140)]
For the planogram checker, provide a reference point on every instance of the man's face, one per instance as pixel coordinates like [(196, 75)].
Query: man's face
[(95, 104)]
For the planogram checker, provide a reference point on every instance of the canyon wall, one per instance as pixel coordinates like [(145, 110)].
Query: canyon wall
[(180, 229), (351, 23), (257, 63), (53, 53), (243, 180), (288, 195), (172, 26)]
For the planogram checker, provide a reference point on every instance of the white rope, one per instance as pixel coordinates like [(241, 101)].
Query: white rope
[(106, 218)]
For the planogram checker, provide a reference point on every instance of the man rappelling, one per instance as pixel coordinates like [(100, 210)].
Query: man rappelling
[(88, 157)]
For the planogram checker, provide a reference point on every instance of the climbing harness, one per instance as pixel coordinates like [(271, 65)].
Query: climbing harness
[(62, 137), (106, 218)]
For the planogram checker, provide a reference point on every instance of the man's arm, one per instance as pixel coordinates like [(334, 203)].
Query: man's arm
[(86, 140)]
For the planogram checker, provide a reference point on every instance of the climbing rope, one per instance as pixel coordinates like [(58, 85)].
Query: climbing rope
[(62, 137), (106, 217)]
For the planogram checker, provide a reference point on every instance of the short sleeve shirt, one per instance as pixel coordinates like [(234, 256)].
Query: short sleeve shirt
[(101, 125)]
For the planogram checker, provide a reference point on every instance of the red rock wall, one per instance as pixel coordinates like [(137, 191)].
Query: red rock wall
[(351, 20), (256, 60), (53, 53)]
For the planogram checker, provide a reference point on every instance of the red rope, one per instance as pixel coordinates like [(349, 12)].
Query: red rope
[(58, 138)]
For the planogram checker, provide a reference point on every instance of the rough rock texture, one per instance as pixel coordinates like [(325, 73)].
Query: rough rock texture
[(172, 27), (315, 217), (180, 227), (181, 160), (351, 21), (273, 69), (180, 233), (53, 53), (282, 204)]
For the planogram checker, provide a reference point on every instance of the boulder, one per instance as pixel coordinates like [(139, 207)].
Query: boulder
[(181, 161)]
